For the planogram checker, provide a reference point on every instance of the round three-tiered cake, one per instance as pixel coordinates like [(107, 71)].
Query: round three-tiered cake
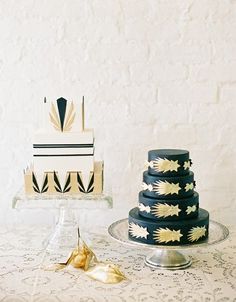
[(168, 212)]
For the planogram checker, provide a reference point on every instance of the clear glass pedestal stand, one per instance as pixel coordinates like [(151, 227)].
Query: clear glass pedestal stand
[(65, 233), (163, 256)]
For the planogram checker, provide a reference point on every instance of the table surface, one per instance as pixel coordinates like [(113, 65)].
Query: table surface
[(212, 276)]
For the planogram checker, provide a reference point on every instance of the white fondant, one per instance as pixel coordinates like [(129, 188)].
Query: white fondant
[(47, 137)]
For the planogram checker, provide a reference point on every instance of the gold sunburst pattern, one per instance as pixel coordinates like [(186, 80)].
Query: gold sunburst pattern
[(189, 186), (54, 118), (143, 208), (62, 117), (164, 210), (70, 117), (166, 235), (164, 165), (138, 231), (196, 233), (191, 209), (165, 188)]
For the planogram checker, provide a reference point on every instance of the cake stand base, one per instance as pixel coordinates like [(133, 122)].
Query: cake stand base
[(167, 256), (166, 259)]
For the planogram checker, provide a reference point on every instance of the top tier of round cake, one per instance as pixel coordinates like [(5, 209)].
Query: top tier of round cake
[(168, 162)]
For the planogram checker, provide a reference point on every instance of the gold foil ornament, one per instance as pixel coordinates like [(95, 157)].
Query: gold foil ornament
[(106, 273), (82, 257)]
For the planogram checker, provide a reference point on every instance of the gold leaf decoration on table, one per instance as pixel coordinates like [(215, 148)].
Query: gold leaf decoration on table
[(164, 165), (165, 188), (70, 116), (55, 118), (82, 257), (191, 209), (189, 186), (138, 231), (164, 210), (187, 164), (147, 187), (196, 233), (143, 208), (106, 273), (166, 235)]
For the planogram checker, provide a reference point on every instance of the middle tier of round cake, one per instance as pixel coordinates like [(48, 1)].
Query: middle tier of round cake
[(168, 209), (168, 187)]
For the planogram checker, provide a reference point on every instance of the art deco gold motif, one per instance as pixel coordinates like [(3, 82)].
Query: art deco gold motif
[(196, 233), (165, 165), (166, 235), (138, 231), (189, 186), (164, 210), (69, 118), (55, 118), (191, 209), (165, 188), (143, 208), (187, 165)]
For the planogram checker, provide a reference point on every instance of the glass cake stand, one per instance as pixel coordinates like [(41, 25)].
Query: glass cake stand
[(163, 256), (65, 233)]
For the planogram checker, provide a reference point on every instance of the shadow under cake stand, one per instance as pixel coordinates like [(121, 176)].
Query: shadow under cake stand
[(65, 233), (163, 256)]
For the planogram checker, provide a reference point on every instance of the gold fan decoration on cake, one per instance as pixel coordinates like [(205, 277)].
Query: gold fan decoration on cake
[(189, 186), (164, 165), (143, 208), (138, 231), (36, 187), (196, 233), (166, 235), (62, 116), (164, 210), (191, 209), (165, 188)]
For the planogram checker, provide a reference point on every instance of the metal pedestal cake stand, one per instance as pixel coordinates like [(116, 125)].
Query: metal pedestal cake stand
[(163, 256), (64, 235)]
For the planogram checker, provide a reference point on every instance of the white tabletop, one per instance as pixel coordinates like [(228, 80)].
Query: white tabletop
[(212, 276)]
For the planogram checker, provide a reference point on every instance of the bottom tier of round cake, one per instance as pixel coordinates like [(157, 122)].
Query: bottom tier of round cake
[(187, 231)]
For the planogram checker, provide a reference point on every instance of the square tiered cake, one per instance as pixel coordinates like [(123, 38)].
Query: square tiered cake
[(63, 153)]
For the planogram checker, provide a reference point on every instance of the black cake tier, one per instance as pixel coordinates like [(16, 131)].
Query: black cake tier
[(168, 209), (168, 187), (188, 231), (168, 162)]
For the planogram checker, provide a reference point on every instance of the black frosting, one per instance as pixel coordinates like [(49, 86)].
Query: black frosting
[(181, 180), (186, 228), (186, 207), (181, 156)]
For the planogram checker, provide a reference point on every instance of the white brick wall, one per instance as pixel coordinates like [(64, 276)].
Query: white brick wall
[(154, 74)]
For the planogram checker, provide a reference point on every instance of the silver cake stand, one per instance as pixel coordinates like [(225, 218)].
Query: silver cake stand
[(163, 256)]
